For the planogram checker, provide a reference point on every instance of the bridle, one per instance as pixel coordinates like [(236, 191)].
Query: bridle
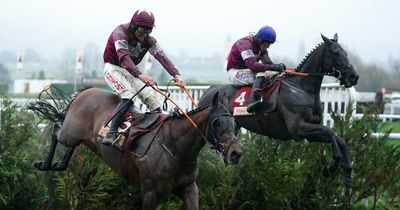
[(216, 140), (334, 72), (213, 137)]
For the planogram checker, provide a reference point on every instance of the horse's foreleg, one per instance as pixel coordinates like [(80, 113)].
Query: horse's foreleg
[(319, 133), (347, 166), (46, 164), (190, 195), (64, 163), (149, 200)]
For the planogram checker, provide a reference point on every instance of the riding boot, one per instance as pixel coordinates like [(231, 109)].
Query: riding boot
[(112, 134), (255, 102)]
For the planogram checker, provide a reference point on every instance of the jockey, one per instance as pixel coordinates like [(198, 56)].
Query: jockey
[(244, 65), (125, 49)]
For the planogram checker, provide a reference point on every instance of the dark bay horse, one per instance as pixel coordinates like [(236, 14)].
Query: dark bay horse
[(298, 112), (170, 165)]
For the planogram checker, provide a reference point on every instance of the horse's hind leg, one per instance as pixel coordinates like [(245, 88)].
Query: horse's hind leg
[(46, 164), (64, 163)]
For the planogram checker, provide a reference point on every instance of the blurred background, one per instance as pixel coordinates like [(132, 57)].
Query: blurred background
[(46, 39)]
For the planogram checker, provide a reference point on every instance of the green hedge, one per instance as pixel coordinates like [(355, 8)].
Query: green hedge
[(271, 175)]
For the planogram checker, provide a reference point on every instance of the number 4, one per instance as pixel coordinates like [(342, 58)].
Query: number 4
[(241, 98)]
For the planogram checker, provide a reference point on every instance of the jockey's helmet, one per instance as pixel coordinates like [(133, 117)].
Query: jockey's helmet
[(143, 18), (267, 34)]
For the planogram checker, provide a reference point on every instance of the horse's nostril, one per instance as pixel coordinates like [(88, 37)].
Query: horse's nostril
[(353, 78), (235, 156)]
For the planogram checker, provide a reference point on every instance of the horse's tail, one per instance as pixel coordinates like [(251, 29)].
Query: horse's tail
[(53, 104)]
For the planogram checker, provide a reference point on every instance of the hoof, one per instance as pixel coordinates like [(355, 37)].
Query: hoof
[(327, 171), (41, 166)]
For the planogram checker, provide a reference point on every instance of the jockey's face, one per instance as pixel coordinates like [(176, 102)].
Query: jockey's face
[(264, 45), (141, 32)]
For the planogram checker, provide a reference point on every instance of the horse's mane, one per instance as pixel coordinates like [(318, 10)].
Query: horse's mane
[(53, 104), (194, 111), (308, 55)]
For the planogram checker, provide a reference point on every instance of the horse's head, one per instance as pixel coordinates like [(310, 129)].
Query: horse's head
[(337, 63), (221, 130)]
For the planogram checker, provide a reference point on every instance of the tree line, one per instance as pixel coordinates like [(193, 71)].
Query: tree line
[(373, 76)]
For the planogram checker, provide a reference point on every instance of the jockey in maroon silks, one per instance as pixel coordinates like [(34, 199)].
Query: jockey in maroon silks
[(125, 49), (249, 63)]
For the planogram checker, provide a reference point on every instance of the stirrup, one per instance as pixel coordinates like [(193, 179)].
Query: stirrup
[(112, 140)]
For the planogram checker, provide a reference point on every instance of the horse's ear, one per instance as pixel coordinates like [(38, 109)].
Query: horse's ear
[(335, 37), (225, 100), (215, 99), (326, 39)]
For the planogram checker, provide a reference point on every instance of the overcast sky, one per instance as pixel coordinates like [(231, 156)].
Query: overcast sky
[(369, 28)]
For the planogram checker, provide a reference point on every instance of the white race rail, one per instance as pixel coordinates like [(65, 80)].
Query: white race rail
[(333, 98)]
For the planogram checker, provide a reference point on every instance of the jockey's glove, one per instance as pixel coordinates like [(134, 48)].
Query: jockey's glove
[(278, 67)]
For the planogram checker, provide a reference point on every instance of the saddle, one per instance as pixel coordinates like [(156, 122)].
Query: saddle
[(136, 133), (269, 94), (133, 126)]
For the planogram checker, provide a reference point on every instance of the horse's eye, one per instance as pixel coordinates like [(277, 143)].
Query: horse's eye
[(216, 123)]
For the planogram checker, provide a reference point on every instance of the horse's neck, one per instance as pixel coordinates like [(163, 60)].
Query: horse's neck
[(313, 64), (189, 140)]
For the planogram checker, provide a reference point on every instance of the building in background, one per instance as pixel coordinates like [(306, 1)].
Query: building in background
[(33, 85)]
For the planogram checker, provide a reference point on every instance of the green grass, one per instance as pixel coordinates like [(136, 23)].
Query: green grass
[(382, 127)]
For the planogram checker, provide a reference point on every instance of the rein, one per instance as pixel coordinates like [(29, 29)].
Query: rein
[(185, 90), (292, 71), (214, 145), (184, 113), (190, 97), (172, 154)]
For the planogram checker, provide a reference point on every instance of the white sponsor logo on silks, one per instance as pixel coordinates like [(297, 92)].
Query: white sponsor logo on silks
[(247, 54), (121, 44)]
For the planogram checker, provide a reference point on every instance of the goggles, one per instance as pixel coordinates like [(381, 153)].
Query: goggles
[(144, 29)]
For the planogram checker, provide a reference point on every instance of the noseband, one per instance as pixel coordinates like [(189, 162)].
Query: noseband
[(214, 138)]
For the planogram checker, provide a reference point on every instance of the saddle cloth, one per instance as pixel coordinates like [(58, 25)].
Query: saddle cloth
[(269, 94), (133, 126)]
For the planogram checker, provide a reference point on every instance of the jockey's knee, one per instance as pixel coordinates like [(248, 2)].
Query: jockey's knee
[(152, 103)]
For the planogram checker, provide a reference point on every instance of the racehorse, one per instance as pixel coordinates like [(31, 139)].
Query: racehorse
[(298, 113), (170, 164)]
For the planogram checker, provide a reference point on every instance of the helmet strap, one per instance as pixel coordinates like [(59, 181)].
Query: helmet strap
[(133, 27), (259, 41)]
